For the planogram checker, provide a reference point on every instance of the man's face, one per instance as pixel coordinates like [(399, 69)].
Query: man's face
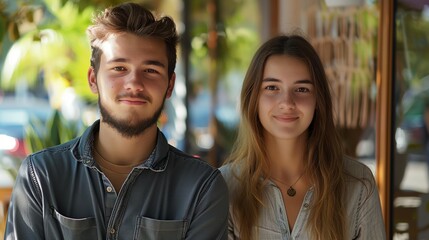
[(132, 82)]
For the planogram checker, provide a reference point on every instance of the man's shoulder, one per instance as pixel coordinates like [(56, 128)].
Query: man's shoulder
[(187, 159), (60, 148), (191, 171), (52, 155)]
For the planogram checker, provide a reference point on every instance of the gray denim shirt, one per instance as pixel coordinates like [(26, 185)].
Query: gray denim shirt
[(60, 193), (364, 216)]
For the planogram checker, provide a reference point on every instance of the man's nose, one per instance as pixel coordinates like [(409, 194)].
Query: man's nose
[(134, 81)]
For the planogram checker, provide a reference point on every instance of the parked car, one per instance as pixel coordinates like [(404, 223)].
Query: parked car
[(15, 115)]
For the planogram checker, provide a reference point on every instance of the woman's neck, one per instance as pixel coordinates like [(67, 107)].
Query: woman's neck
[(286, 157)]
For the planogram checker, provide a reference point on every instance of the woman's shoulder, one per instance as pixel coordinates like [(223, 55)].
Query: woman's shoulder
[(230, 173), (359, 178), (357, 169), (362, 201)]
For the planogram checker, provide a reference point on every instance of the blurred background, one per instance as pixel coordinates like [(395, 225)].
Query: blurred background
[(375, 54)]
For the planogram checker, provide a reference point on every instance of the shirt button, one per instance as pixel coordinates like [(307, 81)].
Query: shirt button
[(306, 205), (109, 189), (112, 231)]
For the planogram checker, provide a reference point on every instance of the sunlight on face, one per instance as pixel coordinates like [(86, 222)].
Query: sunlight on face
[(287, 99), (132, 82)]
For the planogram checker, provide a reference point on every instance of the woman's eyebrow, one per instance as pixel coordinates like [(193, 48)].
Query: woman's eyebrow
[(306, 81), (269, 79)]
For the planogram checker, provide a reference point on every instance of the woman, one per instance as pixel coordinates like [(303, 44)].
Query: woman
[(287, 174)]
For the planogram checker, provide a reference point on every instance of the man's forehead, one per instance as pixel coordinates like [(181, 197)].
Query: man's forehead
[(126, 46)]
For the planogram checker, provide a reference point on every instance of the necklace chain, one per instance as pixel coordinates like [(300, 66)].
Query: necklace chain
[(291, 191), (108, 162)]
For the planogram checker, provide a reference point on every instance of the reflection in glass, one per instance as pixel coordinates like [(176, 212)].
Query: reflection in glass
[(411, 136)]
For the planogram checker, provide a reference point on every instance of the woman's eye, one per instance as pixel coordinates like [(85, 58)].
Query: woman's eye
[(271, 88), (302, 89)]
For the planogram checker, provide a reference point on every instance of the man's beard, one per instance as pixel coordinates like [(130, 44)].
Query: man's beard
[(125, 127)]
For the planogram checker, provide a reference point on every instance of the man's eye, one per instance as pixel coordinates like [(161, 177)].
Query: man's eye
[(151, 70), (119, 69)]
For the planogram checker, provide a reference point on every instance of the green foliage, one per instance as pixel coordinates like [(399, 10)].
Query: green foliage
[(39, 136), (47, 38), (11, 165), (56, 46), (237, 36), (412, 40), (57, 130)]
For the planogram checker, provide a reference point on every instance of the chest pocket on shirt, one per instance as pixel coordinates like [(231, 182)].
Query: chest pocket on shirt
[(148, 228), (76, 228), (267, 233)]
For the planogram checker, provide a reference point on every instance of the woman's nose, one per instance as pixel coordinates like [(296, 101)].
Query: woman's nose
[(287, 101)]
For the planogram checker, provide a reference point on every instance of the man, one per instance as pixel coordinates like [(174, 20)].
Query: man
[(121, 179)]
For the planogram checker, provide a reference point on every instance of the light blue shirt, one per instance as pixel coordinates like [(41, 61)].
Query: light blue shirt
[(364, 216)]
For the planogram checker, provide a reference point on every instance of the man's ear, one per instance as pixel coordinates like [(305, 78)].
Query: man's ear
[(171, 85), (92, 80)]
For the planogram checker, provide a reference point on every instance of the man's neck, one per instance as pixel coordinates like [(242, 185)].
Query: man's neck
[(122, 150)]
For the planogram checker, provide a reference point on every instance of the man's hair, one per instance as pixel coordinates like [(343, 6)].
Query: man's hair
[(136, 19)]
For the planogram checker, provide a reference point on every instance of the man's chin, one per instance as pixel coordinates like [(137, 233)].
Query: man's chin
[(129, 128), (131, 123)]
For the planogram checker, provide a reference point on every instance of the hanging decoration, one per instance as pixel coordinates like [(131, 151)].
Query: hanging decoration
[(345, 38)]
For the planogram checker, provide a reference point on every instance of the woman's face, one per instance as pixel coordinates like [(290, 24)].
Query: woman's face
[(287, 98)]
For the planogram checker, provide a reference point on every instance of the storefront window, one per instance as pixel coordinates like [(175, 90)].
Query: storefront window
[(410, 164), (344, 34)]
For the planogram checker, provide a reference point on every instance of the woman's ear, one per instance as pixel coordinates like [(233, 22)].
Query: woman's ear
[(92, 80)]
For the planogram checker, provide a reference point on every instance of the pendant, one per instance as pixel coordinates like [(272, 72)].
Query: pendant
[(291, 192)]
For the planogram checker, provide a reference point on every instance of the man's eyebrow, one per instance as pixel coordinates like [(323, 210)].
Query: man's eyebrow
[(147, 62), (117, 60), (155, 62)]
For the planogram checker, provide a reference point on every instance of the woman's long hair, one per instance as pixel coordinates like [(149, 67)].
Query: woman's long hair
[(323, 160)]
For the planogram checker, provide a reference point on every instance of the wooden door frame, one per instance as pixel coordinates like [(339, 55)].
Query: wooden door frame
[(384, 81)]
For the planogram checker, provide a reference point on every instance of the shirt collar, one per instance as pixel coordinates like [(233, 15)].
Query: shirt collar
[(157, 161)]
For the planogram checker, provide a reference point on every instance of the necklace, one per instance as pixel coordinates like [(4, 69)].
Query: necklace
[(290, 191), (111, 167)]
